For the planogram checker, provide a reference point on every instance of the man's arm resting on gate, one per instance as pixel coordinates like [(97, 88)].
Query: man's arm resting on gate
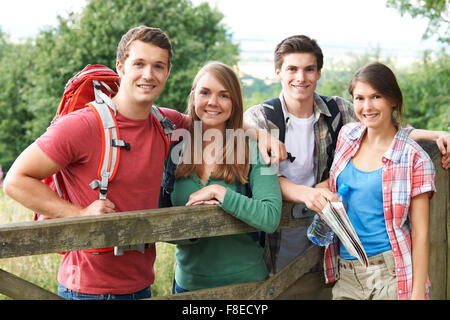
[(23, 184), (442, 139)]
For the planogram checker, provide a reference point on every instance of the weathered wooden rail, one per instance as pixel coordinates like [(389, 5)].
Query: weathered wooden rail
[(295, 281)]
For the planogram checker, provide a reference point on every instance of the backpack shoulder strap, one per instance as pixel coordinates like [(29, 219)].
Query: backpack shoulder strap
[(334, 132), (274, 113), (105, 111), (246, 187), (258, 236), (334, 111), (165, 126), (168, 178)]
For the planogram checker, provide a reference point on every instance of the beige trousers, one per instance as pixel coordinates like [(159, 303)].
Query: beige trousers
[(377, 282)]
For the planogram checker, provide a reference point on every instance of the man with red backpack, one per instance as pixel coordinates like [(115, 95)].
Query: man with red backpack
[(72, 146)]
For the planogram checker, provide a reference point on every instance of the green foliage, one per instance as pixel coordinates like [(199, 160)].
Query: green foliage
[(164, 269), (258, 90), (436, 11), (334, 81), (14, 88), (336, 75), (3, 42), (34, 74), (426, 87)]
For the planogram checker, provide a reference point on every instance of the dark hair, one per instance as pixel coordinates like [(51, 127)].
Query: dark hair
[(382, 79), (297, 44), (146, 34)]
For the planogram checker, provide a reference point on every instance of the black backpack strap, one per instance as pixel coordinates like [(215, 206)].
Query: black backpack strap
[(258, 236), (168, 180), (246, 188), (275, 115), (335, 112)]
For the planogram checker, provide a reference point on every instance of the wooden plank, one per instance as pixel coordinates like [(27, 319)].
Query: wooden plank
[(259, 290), (17, 288), (279, 282), (439, 235), (438, 239), (432, 150), (232, 292), (447, 222), (146, 226), (447, 296), (311, 286)]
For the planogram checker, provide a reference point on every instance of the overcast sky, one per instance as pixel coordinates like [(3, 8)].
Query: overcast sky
[(258, 25)]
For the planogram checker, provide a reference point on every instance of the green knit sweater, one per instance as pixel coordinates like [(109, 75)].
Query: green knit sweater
[(224, 260)]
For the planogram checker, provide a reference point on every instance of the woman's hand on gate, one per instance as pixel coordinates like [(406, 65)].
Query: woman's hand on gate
[(212, 194)]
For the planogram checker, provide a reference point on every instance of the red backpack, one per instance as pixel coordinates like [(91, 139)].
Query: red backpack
[(93, 87)]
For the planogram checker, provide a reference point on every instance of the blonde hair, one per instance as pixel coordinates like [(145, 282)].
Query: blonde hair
[(229, 172)]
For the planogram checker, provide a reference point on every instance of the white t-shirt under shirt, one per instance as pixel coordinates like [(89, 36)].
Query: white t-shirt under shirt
[(299, 142)]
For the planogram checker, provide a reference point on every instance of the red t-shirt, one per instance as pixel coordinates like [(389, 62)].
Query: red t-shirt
[(74, 143)]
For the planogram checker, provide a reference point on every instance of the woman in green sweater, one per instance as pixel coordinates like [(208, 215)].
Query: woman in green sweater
[(228, 168)]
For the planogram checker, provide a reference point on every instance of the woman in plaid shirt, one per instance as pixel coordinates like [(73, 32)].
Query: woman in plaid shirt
[(391, 180)]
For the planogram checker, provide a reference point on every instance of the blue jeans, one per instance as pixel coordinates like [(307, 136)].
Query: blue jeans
[(74, 295), (177, 289)]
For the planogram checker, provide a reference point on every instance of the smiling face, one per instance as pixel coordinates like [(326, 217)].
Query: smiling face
[(298, 75), (212, 102), (371, 107), (143, 73)]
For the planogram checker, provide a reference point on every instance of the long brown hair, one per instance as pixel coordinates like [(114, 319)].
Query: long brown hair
[(229, 172)]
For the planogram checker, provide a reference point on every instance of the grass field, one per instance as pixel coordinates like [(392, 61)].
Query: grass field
[(42, 269)]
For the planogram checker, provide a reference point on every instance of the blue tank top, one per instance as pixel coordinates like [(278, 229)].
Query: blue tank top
[(365, 209)]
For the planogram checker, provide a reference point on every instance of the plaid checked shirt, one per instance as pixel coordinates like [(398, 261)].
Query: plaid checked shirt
[(255, 116), (407, 172)]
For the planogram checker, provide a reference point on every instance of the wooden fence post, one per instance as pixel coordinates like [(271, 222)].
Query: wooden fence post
[(17, 288), (438, 228)]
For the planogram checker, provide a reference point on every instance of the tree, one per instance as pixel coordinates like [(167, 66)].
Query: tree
[(425, 87), (436, 11), (15, 64), (91, 37), (336, 75), (3, 42), (257, 90)]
